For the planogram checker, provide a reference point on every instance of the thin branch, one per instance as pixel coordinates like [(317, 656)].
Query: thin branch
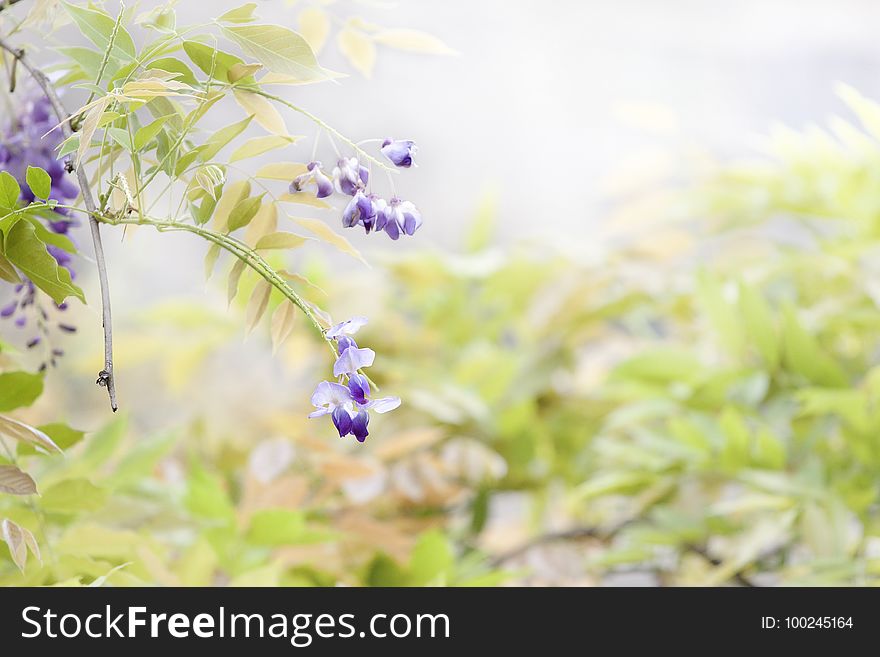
[(579, 533), (105, 376)]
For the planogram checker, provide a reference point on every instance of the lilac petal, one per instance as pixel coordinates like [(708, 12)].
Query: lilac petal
[(364, 205), (297, 184), (9, 309), (330, 394), (359, 387), (351, 216), (364, 174), (325, 185), (352, 359), (319, 413), (400, 152), (411, 223), (348, 327), (384, 405), (392, 229), (359, 426), (344, 342), (342, 421)]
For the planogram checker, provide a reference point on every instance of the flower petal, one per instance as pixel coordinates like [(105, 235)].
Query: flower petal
[(353, 359), (383, 405)]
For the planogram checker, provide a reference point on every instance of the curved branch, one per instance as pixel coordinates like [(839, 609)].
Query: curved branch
[(580, 533), (105, 376)]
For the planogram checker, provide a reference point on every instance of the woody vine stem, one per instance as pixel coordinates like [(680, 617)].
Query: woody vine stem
[(105, 376)]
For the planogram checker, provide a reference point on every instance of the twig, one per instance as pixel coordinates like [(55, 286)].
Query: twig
[(578, 533), (105, 376)]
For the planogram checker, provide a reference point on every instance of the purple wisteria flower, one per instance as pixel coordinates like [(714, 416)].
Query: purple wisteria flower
[(397, 217), (350, 176), (365, 208), (315, 174), (348, 405), (361, 211), (28, 139), (399, 151)]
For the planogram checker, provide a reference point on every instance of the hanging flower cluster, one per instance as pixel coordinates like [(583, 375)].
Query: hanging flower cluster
[(348, 400), (29, 139), (395, 216)]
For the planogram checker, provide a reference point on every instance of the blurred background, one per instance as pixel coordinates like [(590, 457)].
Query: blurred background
[(635, 338)]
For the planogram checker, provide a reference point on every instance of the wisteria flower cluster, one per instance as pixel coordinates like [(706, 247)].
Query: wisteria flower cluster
[(395, 216), (348, 401), (29, 140)]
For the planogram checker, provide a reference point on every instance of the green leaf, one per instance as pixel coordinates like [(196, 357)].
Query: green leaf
[(28, 253), (19, 389), (275, 527), (146, 134), (121, 137), (73, 496), (39, 181), (280, 49), (758, 320), (47, 236), (61, 434), (384, 571), (206, 496), (243, 212), (7, 271), (97, 26), (9, 191), (174, 65), (211, 260), (803, 355), (280, 240), (259, 146), (243, 14), (432, 559), (208, 58), (222, 137), (88, 59), (328, 235)]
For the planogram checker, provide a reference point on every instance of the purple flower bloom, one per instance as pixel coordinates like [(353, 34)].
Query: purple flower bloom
[(323, 185), (359, 388), (351, 359), (397, 217), (399, 151), (359, 426), (348, 327), (350, 175), (361, 210), (348, 405)]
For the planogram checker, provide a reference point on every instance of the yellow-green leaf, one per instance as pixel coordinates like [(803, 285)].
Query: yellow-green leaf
[(280, 49), (258, 146), (285, 171), (228, 200), (257, 305), (265, 113), (282, 323), (314, 26), (234, 277), (280, 240), (358, 48), (327, 234)]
